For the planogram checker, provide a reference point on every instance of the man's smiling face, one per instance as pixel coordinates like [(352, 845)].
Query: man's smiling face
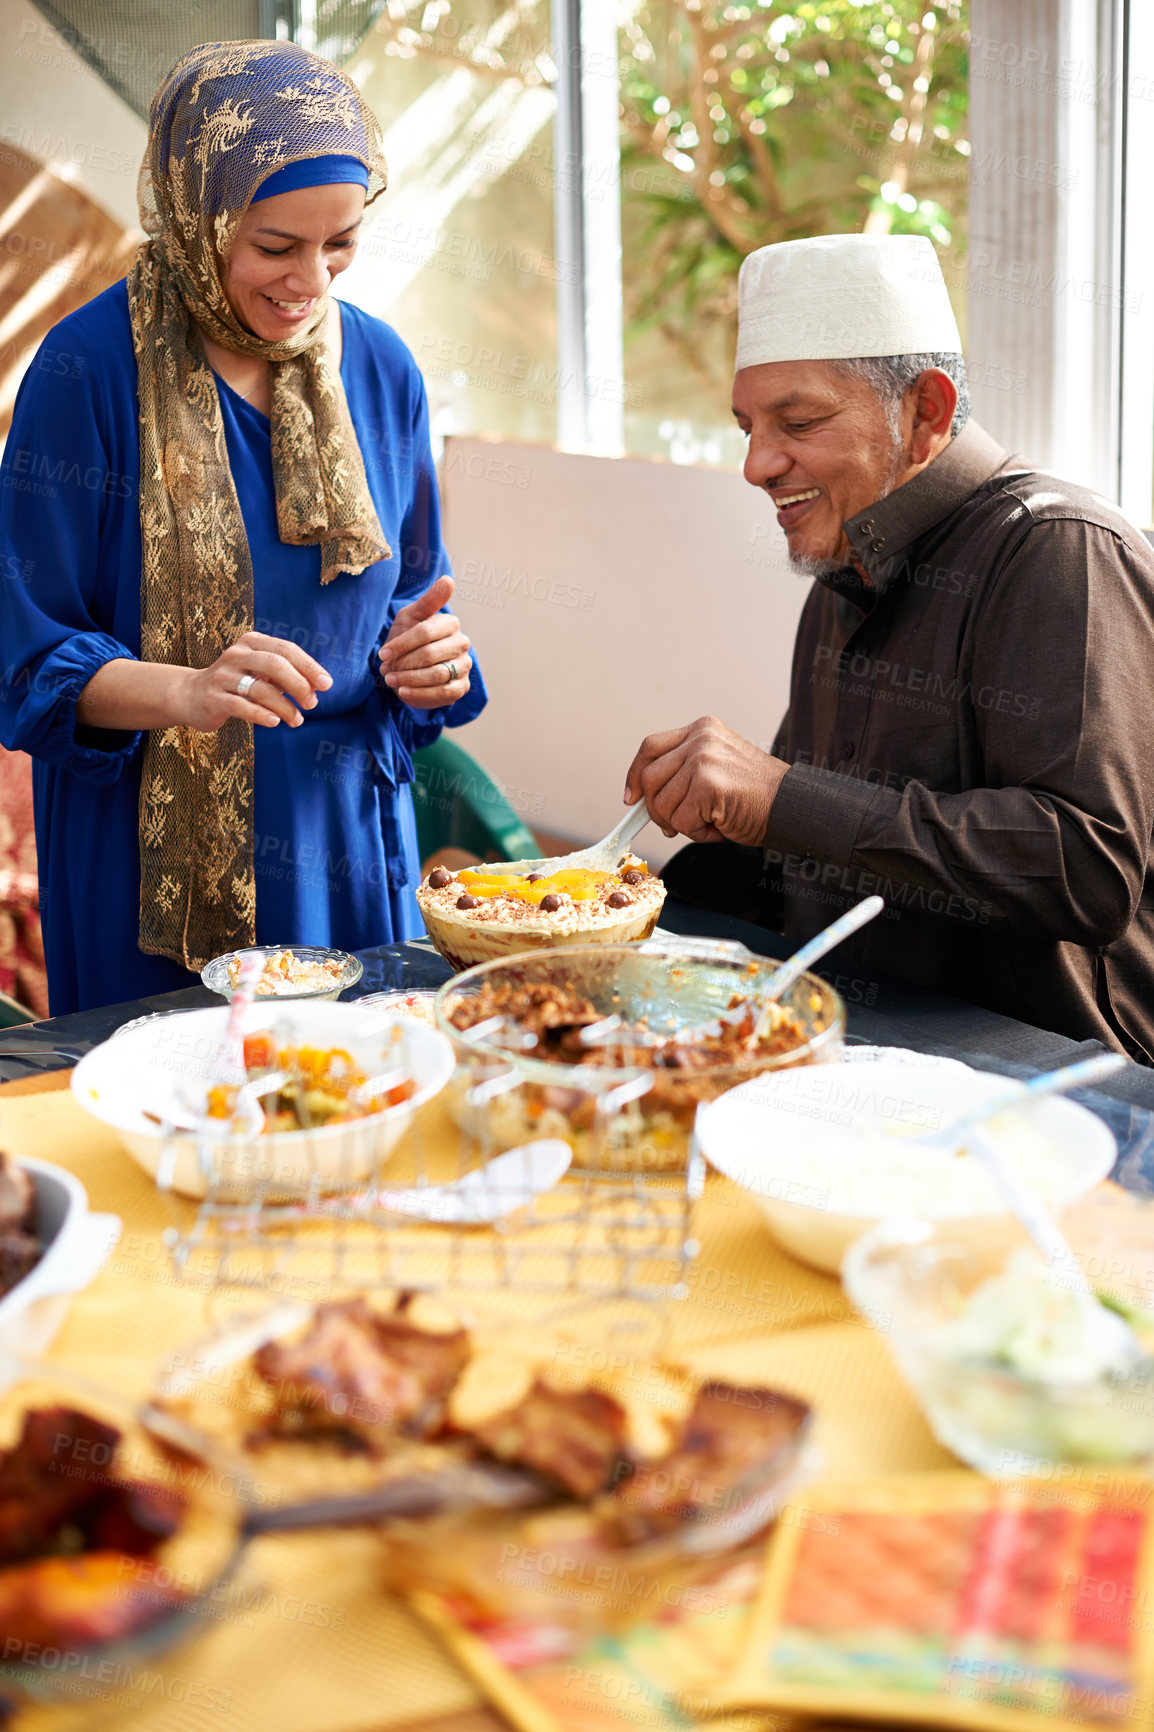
[(821, 446)]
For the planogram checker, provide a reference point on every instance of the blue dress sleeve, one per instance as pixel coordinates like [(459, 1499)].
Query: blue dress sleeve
[(423, 561), (52, 503)]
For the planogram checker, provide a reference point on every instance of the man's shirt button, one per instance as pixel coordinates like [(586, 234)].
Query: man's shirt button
[(876, 546), (867, 528)]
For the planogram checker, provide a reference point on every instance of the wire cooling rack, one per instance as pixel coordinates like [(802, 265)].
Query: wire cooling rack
[(611, 1228)]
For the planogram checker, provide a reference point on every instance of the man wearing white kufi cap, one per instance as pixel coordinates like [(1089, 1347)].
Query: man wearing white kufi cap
[(838, 297), (968, 732)]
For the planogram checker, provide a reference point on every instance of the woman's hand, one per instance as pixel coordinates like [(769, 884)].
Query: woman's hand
[(425, 659), (283, 676)]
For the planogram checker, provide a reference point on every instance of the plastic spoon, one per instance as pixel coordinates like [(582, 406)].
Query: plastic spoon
[(1112, 1335), (601, 857), (784, 977), (611, 1030), (1051, 1082), (489, 1193), (968, 1131), (228, 1065), (187, 1117), (504, 1184), (1116, 1339)]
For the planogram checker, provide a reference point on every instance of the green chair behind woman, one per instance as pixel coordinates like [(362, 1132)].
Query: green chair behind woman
[(459, 806), (13, 1013)]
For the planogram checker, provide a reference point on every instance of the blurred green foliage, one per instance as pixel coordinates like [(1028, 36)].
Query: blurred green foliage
[(747, 124)]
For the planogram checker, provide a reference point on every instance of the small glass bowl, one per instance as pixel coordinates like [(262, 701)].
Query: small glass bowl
[(413, 1005), (912, 1277), (671, 990), (215, 973)]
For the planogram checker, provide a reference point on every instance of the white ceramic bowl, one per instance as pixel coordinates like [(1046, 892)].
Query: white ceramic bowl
[(76, 1245), (144, 1069), (820, 1151), (215, 973)]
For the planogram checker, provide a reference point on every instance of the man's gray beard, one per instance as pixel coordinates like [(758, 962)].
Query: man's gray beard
[(807, 566)]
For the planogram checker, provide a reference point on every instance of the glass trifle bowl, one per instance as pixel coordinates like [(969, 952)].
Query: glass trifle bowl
[(614, 1047), (1014, 1368)]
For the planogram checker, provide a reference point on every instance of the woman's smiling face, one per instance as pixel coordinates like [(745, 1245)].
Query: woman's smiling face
[(286, 251)]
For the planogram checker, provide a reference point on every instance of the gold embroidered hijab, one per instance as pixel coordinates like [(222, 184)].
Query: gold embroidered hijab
[(228, 115)]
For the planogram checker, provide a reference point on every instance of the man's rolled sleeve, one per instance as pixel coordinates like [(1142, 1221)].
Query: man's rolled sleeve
[(820, 813)]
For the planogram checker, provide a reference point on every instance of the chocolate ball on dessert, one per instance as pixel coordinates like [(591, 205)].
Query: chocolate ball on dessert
[(438, 878), (632, 876), (618, 900), (467, 901), (534, 878), (550, 903)]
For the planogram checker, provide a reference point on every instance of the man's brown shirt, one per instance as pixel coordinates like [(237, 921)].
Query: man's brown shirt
[(971, 736)]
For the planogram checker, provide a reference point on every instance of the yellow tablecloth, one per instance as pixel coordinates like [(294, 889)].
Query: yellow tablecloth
[(316, 1645)]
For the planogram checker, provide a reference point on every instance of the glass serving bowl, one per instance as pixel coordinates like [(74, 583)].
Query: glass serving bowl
[(913, 1278), (589, 1104), (215, 973)]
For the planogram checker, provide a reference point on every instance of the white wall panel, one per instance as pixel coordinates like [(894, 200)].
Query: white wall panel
[(609, 598)]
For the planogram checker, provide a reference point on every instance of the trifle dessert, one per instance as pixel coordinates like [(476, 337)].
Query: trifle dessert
[(480, 914)]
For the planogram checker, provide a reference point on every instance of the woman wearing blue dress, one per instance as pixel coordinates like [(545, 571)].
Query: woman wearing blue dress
[(222, 581)]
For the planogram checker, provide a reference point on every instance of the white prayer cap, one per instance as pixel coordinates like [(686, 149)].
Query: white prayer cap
[(837, 297)]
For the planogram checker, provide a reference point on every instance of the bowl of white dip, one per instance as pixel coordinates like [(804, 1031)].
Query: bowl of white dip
[(828, 1151)]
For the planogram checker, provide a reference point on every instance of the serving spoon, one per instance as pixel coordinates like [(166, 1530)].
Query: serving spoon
[(601, 857), (1116, 1338), (189, 1115), (967, 1132), (490, 1193), (1050, 1082), (783, 978), (611, 1030)]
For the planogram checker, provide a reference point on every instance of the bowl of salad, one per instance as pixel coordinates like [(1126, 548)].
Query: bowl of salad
[(296, 971), (1015, 1364), (325, 1092)]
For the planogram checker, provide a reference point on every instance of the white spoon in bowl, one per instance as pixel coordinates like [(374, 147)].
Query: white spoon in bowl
[(611, 1030), (782, 978), (1034, 1217), (1115, 1339)]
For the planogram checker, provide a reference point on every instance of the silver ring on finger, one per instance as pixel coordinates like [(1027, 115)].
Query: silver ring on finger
[(245, 684), (451, 672)]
